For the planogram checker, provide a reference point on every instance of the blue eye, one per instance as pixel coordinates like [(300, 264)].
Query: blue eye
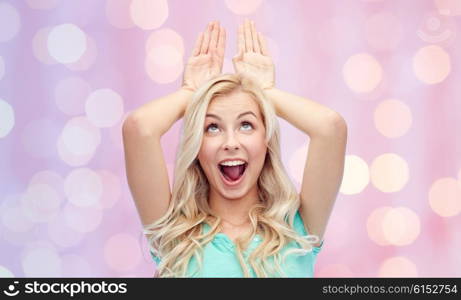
[(214, 125), (211, 125), (247, 123)]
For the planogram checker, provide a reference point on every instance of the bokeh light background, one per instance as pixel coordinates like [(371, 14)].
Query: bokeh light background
[(70, 72)]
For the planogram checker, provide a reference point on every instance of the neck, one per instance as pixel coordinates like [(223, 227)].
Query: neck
[(239, 224), (233, 211)]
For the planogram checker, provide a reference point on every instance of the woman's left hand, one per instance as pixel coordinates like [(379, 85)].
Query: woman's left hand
[(253, 59)]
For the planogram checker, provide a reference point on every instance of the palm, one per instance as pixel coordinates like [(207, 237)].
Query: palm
[(200, 69), (253, 59), (207, 57), (256, 65)]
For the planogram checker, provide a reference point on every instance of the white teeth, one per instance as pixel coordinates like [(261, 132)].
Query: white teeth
[(232, 163)]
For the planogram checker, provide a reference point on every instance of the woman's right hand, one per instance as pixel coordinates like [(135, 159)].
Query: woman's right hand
[(207, 57)]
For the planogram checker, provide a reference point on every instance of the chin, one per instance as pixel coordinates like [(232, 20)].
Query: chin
[(233, 194)]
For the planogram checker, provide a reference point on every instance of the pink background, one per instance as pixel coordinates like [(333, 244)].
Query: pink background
[(70, 71)]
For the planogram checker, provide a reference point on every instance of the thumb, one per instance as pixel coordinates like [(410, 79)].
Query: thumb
[(238, 56)]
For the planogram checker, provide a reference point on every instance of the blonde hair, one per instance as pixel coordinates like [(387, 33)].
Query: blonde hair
[(177, 236)]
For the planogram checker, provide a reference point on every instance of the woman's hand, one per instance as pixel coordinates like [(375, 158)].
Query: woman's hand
[(207, 57), (253, 59)]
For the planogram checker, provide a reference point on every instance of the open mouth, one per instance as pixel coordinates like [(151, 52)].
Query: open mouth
[(233, 173)]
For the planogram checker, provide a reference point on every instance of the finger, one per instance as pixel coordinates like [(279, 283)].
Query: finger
[(206, 39), (198, 44), (248, 40), (221, 41), (254, 36), (214, 36), (263, 44), (241, 40)]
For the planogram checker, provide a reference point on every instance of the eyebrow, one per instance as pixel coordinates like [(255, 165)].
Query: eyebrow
[(239, 116)]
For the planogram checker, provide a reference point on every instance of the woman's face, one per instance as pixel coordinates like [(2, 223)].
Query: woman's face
[(233, 129)]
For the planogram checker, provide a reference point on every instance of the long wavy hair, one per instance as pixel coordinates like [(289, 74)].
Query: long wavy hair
[(177, 236)]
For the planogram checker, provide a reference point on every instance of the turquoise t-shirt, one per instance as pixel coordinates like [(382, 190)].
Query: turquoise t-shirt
[(220, 260)]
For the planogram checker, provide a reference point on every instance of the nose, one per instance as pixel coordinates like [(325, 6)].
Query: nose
[(231, 142)]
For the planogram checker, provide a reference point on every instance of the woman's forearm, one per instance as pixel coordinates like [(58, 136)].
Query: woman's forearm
[(308, 116), (157, 116)]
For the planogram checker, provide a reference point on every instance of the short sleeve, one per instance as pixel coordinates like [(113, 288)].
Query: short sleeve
[(155, 258), (301, 229)]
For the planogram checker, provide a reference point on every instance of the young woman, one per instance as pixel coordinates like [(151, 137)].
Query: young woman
[(233, 211)]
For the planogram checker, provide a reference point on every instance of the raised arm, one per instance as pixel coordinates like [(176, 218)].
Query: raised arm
[(326, 129), (142, 130), (144, 161)]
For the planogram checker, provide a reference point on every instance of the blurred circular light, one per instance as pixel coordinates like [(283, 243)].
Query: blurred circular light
[(164, 56), (6, 118), (10, 22), (78, 141), (375, 225), (401, 226), (63, 235), (389, 172), (82, 219), (122, 252), (431, 64), (104, 108), (166, 37), (398, 266), (445, 197), (41, 203), (40, 46), (41, 261), (392, 118), (50, 178), (449, 7), (161, 74), (83, 187), (72, 159), (66, 43), (149, 14), (17, 230), (15, 220), (356, 175), (87, 59), (362, 73)]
